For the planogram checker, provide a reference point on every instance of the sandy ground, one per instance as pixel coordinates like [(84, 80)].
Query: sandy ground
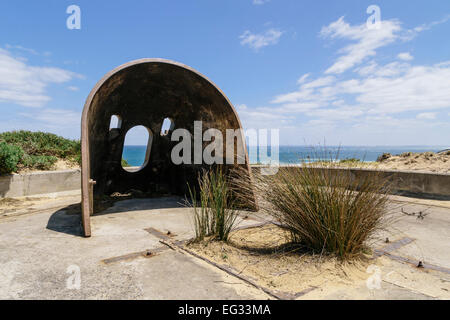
[(59, 165), (423, 162), (24, 205), (258, 253), (408, 161)]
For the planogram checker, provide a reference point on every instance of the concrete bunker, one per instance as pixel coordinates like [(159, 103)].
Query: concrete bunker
[(162, 96)]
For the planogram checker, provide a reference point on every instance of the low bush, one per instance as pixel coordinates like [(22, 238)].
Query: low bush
[(38, 162), (44, 144), (384, 157), (125, 163), (35, 150), (10, 156), (324, 209)]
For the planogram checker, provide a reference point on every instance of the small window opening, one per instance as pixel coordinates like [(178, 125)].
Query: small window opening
[(167, 126), (116, 122), (137, 148)]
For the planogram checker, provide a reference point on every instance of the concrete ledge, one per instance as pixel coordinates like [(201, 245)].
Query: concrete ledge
[(407, 183), (413, 183), (39, 183)]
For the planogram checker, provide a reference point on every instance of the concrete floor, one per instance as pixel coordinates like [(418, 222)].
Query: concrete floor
[(40, 250)]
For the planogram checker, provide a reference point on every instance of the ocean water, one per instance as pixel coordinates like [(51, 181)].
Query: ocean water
[(295, 154)]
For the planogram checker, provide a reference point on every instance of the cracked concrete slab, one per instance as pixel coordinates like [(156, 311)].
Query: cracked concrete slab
[(38, 251)]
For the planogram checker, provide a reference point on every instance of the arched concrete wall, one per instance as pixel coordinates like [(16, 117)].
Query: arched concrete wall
[(144, 92)]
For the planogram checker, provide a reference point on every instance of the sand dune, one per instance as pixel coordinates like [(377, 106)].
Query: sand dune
[(409, 161)]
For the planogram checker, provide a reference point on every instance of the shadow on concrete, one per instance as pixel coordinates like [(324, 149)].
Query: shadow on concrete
[(5, 184), (67, 220), (418, 195), (141, 204)]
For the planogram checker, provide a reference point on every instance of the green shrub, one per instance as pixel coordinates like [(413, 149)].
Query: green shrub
[(43, 144), (384, 157), (39, 162), (10, 156), (406, 154), (125, 163), (213, 211), (40, 150)]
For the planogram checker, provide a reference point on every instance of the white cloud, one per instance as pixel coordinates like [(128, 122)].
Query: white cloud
[(54, 118), (406, 56), (321, 82), (373, 103), (413, 89), (312, 94), (26, 85), (27, 50), (258, 41), (366, 41), (389, 89), (337, 114), (427, 26), (254, 118), (259, 2), (426, 115), (303, 78), (73, 88), (21, 48)]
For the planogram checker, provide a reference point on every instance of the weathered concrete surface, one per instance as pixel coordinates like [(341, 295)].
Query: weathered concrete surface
[(403, 280), (37, 248), (38, 183)]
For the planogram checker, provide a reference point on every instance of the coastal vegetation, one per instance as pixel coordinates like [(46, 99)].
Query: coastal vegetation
[(326, 211), (321, 211), (214, 214), (35, 151), (27, 150)]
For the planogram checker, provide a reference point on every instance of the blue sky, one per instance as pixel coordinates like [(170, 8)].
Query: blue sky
[(313, 69)]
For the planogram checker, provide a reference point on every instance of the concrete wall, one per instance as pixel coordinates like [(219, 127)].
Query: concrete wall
[(408, 183), (415, 183), (39, 183)]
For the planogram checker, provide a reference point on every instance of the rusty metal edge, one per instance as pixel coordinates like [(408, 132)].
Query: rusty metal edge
[(157, 233), (386, 251), (134, 255), (393, 246)]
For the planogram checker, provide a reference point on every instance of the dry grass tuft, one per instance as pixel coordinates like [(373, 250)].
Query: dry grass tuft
[(325, 209), (214, 213)]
